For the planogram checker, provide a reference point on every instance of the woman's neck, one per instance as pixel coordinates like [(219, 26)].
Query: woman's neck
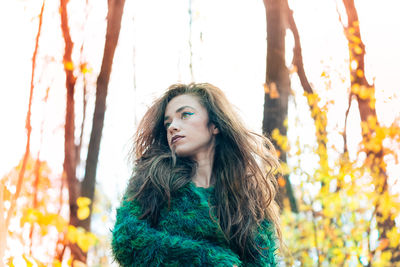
[(202, 177)]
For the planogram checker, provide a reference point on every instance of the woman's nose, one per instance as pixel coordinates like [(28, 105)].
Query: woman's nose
[(173, 127)]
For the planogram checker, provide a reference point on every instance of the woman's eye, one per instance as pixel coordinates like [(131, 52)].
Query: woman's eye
[(167, 125), (186, 114)]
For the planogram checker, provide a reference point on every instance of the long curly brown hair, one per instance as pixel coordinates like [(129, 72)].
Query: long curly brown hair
[(243, 168)]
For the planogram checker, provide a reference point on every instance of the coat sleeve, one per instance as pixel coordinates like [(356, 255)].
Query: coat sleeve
[(266, 242), (136, 243)]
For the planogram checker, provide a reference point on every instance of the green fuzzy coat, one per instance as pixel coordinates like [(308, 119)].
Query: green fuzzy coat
[(185, 235)]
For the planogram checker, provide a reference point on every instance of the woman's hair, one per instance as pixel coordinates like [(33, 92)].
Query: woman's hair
[(242, 173)]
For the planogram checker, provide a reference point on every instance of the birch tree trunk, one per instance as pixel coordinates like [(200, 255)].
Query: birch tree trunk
[(364, 93), (115, 10), (277, 86)]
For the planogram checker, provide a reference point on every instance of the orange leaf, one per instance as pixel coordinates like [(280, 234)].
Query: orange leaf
[(266, 89), (281, 181), (383, 244), (274, 91)]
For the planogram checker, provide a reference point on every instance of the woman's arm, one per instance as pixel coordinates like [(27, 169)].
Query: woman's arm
[(135, 243), (266, 242)]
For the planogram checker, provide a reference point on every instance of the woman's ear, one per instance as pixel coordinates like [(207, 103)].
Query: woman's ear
[(214, 129)]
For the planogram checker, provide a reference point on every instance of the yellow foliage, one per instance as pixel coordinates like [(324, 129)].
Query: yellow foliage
[(355, 39), (56, 263), (383, 244), (281, 181), (286, 122), (274, 91), (83, 212), (72, 234), (358, 50), (78, 263), (266, 88), (394, 237), (355, 88), (281, 140), (68, 65), (383, 260), (83, 201), (86, 240), (351, 30), (10, 262), (372, 122), (365, 92), (27, 261)]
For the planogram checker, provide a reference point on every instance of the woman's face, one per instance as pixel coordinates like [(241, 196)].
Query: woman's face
[(186, 123)]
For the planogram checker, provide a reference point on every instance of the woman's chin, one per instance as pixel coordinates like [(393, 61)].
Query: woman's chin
[(182, 153)]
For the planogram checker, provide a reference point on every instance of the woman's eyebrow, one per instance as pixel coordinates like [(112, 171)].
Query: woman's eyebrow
[(179, 110)]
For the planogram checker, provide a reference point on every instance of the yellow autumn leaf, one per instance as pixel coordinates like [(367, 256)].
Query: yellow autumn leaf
[(83, 201), (56, 263), (372, 122), (364, 92), (281, 181), (68, 65), (60, 223), (394, 237), (72, 234), (85, 69), (358, 50), (10, 262), (355, 88), (355, 39), (46, 219), (91, 237), (78, 263), (372, 103), (84, 241), (360, 73), (266, 88), (274, 91), (27, 261), (286, 122), (83, 212)]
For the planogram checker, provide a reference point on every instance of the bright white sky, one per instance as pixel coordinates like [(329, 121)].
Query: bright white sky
[(154, 37)]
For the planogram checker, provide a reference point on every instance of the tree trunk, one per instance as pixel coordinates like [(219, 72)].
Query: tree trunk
[(69, 135), (115, 10), (277, 85), (319, 117), (365, 95)]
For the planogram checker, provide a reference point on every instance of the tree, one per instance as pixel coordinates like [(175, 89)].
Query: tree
[(351, 198), (86, 188), (115, 9), (373, 133), (277, 85)]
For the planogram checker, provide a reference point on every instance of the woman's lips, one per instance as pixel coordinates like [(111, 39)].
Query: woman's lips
[(176, 139)]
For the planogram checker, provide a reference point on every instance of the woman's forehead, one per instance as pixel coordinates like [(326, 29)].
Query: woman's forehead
[(180, 101)]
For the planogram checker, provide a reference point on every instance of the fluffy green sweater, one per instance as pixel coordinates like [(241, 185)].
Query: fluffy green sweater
[(186, 235)]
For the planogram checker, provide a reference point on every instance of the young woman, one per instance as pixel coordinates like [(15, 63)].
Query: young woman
[(202, 190)]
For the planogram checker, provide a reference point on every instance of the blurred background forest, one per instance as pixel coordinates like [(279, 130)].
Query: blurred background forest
[(318, 77)]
